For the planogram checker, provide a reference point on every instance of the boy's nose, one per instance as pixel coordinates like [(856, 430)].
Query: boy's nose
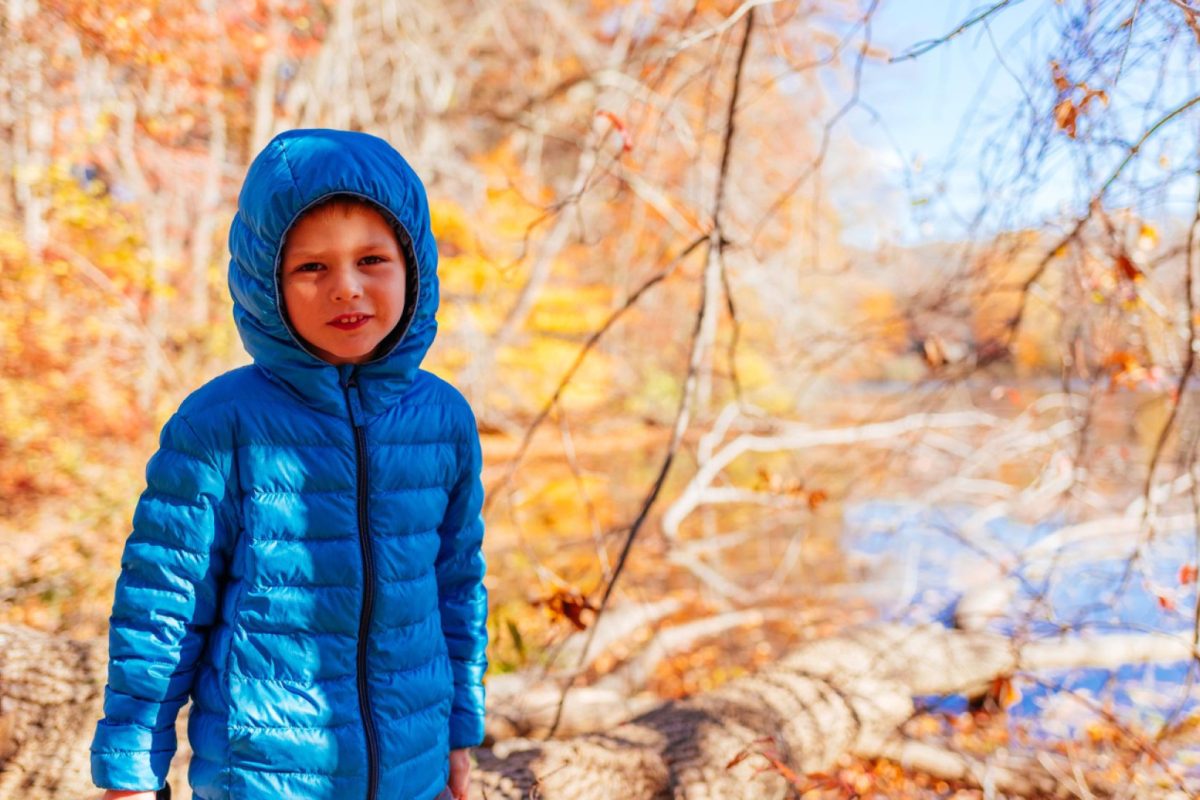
[(346, 285)]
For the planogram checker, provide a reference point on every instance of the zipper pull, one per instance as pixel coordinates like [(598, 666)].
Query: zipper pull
[(355, 401)]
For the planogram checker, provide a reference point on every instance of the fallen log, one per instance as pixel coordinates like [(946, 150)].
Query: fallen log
[(848, 694), (50, 697), (526, 703)]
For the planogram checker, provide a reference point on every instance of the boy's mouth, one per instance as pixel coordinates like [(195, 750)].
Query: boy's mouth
[(347, 322)]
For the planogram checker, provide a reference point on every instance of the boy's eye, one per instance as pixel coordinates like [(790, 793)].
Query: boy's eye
[(314, 266)]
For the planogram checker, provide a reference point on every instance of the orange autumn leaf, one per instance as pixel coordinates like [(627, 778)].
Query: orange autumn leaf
[(766, 481), (1126, 370), (1067, 109), (1060, 77), (568, 604), (763, 480), (1005, 692), (1065, 116)]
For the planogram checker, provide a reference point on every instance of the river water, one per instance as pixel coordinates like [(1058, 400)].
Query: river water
[(914, 566)]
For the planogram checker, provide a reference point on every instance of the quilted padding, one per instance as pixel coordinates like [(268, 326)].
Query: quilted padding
[(305, 561)]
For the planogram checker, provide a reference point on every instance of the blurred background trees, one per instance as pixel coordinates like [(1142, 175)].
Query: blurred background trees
[(711, 306)]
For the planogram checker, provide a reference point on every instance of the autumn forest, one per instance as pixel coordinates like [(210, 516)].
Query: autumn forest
[(815, 467)]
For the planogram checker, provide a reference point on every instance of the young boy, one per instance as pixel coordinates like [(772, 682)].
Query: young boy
[(305, 562)]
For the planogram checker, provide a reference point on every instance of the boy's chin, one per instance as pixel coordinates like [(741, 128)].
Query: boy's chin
[(350, 358), (344, 352), (343, 355)]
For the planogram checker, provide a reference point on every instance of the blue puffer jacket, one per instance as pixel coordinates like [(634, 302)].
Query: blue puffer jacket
[(305, 561)]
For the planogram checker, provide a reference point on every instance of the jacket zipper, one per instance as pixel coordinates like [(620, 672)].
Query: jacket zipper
[(353, 402)]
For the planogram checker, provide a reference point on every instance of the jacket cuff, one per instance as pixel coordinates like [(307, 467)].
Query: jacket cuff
[(131, 757), (466, 730), (131, 772)]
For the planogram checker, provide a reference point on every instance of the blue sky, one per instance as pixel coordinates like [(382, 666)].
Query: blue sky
[(966, 91)]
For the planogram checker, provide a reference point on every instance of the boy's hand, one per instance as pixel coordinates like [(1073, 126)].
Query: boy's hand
[(460, 771)]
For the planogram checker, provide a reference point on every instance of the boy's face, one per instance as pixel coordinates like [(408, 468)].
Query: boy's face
[(343, 281)]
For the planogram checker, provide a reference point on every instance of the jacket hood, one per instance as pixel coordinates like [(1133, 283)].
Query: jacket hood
[(295, 171)]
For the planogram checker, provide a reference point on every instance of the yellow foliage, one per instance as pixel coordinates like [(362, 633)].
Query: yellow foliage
[(539, 364), (571, 310), (507, 212), (882, 313), (451, 227), (754, 370), (557, 504), (656, 393), (467, 274), (78, 372)]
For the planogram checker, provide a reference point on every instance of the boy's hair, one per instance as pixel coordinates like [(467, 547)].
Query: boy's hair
[(344, 203)]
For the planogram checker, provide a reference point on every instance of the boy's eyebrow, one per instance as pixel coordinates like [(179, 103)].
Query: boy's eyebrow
[(374, 244)]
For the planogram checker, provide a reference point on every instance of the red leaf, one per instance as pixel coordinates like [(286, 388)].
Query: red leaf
[(619, 124), (1127, 269), (1187, 574)]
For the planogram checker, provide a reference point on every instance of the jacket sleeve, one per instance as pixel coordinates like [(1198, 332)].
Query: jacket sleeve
[(462, 597), (166, 598)]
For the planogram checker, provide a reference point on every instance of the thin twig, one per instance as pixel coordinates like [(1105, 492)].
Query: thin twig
[(681, 423), (920, 48), (1148, 506), (716, 241), (588, 346)]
